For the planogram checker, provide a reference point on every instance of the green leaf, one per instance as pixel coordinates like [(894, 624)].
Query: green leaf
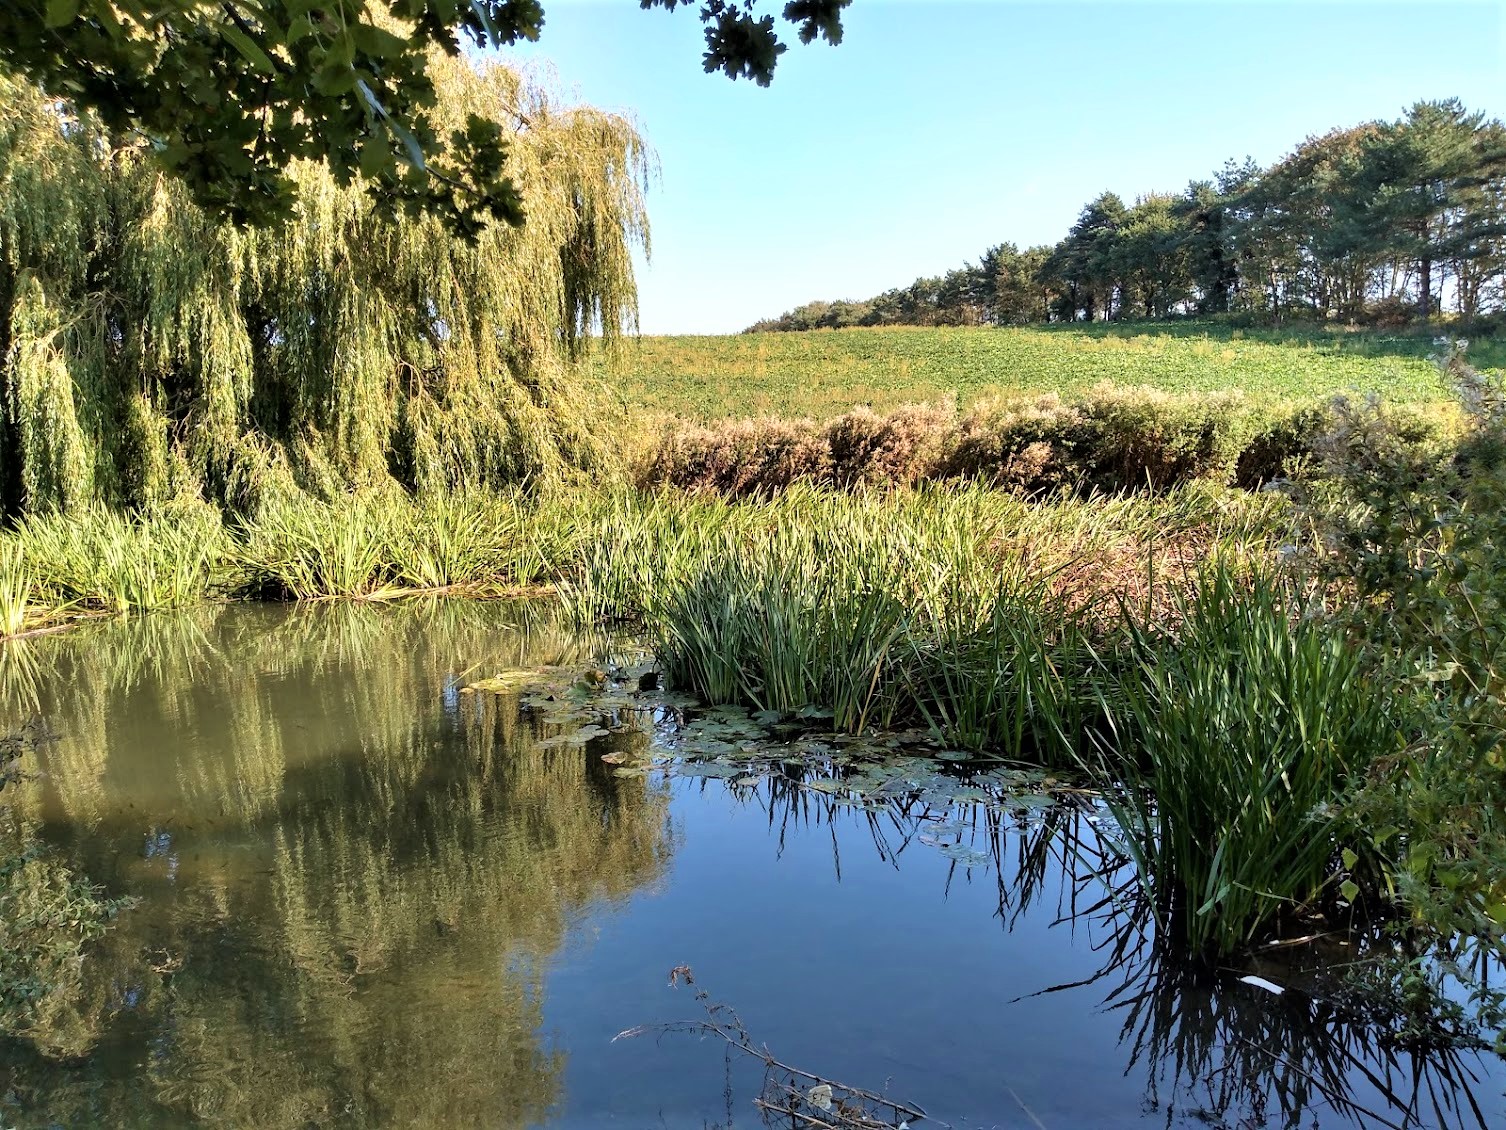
[(334, 78), (1350, 889), (61, 13), (378, 41), (248, 48)]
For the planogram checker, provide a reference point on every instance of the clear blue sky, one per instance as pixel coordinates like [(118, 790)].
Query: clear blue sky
[(938, 128)]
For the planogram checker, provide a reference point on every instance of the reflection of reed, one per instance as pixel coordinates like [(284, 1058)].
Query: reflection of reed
[(1210, 1042), (1206, 1043), (355, 877), (20, 687)]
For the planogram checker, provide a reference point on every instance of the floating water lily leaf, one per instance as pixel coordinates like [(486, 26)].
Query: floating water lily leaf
[(1032, 800), (965, 855), (826, 785), (708, 769), (575, 737)]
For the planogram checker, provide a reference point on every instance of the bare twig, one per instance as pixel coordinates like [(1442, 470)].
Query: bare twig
[(807, 1100)]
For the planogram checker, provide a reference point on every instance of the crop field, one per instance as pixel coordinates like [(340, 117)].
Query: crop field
[(827, 372)]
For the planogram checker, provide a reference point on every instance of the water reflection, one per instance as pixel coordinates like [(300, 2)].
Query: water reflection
[(359, 883), (347, 894), (1211, 1048)]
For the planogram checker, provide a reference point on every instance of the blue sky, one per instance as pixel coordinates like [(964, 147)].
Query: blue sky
[(938, 128)]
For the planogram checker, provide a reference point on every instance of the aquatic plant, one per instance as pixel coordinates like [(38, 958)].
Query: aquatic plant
[(100, 558), (964, 610), (388, 543), (15, 587), (1234, 741), (1012, 674)]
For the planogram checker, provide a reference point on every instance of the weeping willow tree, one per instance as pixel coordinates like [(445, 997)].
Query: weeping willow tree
[(148, 352)]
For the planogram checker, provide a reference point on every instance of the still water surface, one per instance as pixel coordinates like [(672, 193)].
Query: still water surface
[(369, 897)]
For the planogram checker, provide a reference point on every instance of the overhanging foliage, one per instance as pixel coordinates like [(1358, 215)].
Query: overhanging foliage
[(149, 350)]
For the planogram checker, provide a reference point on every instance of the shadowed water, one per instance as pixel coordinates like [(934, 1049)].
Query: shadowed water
[(371, 897)]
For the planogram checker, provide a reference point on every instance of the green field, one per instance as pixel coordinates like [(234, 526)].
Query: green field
[(827, 372)]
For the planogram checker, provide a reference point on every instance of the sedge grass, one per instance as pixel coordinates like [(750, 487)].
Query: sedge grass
[(15, 588), (102, 559), (1233, 742)]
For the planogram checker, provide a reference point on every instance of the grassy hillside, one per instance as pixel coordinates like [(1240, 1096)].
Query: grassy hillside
[(824, 373)]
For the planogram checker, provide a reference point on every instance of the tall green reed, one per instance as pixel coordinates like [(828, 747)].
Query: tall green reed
[(113, 561), (389, 543), (902, 608), (1012, 673), (15, 587), (1233, 743)]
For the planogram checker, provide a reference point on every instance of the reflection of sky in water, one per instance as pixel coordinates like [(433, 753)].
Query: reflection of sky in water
[(420, 917), (158, 846)]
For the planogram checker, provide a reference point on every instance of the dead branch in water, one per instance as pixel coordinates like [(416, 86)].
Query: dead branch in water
[(809, 1101)]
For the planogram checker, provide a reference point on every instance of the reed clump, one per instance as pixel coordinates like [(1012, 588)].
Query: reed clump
[(99, 559), (15, 588), (388, 543), (1231, 744), (962, 610)]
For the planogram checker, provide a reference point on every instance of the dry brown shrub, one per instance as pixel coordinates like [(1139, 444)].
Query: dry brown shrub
[(1112, 439), (1026, 444), (1140, 437), (741, 457), (904, 446)]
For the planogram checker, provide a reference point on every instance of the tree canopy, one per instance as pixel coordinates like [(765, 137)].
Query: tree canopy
[(151, 350), (229, 93), (1379, 221)]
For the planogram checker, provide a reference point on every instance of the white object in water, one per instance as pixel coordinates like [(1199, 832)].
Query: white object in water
[(1262, 983)]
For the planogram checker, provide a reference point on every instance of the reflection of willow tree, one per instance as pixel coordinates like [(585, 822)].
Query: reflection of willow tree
[(1207, 1044), (354, 877)]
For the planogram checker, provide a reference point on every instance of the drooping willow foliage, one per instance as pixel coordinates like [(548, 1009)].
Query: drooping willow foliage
[(148, 353)]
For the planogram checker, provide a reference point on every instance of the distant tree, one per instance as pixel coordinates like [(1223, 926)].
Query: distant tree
[(1148, 257), (1202, 214), (1294, 237), (1008, 279), (1356, 222), (1085, 262), (1421, 181), (228, 94), (1477, 253)]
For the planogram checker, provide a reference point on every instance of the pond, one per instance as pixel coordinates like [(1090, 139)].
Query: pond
[(372, 894)]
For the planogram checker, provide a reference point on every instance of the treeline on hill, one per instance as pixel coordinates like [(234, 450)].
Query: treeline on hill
[(1378, 222)]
